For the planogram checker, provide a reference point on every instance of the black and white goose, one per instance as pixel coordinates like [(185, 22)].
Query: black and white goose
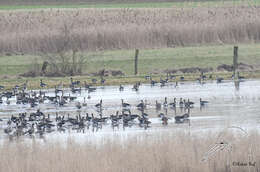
[(203, 102), (158, 105), (99, 105), (125, 105)]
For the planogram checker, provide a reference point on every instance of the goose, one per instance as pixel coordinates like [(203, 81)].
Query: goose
[(181, 118), (121, 88), (16, 87), (199, 80), (176, 84), (165, 103), (57, 118), (91, 89), (160, 115), (62, 101), (31, 130), (144, 122), (86, 85), (57, 90), (88, 118), (8, 101), (181, 103), (74, 90), (94, 81), (173, 104), (99, 105), (61, 123), (1, 87), (25, 85), (84, 103), (33, 103), (8, 130), (114, 123), (73, 83), (125, 104), (157, 105), (133, 116), (141, 105), (78, 105), (172, 76), (39, 113), (202, 76), (136, 87), (147, 77), (219, 80), (42, 84), (189, 104), (153, 82), (203, 102), (165, 120), (52, 98), (102, 119), (72, 98), (115, 117), (102, 81), (145, 115), (163, 82)]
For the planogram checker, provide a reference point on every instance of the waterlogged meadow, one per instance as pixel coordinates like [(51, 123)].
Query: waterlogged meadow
[(163, 122)]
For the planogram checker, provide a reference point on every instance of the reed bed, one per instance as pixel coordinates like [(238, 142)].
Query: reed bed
[(56, 30), (44, 2), (163, 152)]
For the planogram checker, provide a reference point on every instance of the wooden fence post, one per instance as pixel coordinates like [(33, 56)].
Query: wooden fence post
[(136, 60), (235, 62)]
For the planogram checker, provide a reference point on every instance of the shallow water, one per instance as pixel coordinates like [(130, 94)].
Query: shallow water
[(229, 105)]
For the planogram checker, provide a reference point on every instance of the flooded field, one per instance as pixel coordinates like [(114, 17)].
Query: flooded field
[(230, 104)]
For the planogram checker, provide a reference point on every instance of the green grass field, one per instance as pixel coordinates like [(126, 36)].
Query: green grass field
[(150, 61), (135, 5)]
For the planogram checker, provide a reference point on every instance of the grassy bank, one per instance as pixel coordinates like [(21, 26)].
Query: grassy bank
[(151, 61), (34, 83), (162, 152)]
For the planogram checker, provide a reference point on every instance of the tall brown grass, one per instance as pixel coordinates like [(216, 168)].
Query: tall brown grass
[(99, 29), (163, 152), (61, 2)]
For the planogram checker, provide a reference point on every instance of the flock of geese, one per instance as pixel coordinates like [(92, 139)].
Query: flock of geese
[(41, 123)]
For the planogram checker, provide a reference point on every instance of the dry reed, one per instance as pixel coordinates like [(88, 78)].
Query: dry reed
[(62, 2), (99, 29), (164, 152)]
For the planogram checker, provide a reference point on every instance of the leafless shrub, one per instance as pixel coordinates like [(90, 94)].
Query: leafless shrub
[(64, 63), (57, 65)]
